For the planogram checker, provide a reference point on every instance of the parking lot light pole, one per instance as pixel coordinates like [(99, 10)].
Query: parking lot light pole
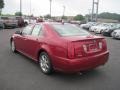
[(97, 3), (92, 16), (20, 7), (50, 7), (64, 11)]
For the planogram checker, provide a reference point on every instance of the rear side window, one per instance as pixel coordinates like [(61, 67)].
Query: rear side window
[(27, 30), (36, 30), (69, 30)]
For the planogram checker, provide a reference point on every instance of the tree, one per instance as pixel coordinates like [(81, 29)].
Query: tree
[(107, 15), (47, 16), (64, 17), (79, 17), (18, 14), (1, 5)]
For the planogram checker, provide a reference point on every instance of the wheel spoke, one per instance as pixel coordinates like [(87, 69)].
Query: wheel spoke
[(44, 63)]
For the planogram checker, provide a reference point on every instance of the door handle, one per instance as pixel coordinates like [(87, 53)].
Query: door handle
[(37, 39), (25, 38)]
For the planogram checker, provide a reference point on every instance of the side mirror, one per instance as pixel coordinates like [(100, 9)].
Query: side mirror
[(18, 32)]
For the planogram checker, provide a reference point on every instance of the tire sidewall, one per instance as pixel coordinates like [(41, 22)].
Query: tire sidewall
[(49, 71), (12, 42)]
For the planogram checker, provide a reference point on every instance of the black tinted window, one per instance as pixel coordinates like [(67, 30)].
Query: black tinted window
[(70, 30)]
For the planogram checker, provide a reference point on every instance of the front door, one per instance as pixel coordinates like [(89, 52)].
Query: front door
[(24, 38)]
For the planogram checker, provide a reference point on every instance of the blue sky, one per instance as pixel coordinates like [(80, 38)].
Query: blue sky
[(73, 7)]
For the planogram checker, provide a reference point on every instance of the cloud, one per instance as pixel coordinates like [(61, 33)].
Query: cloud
[(73, 7)]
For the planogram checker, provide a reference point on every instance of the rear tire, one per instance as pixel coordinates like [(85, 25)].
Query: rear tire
[(45, 63)]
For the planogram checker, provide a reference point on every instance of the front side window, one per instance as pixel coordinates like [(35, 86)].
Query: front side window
[(36, 30), (27, 30), (69, 30)]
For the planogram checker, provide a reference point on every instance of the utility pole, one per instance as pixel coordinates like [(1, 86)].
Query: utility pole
[(92, 10), (50, 7), (30, 7), (96, 13), (64, 11), (97, 4), (20, 7), (30, 13), (89, 14)]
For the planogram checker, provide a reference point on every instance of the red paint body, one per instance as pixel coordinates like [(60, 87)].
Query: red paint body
[(67, 53)]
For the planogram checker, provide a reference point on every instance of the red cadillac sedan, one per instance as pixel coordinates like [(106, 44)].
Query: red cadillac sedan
[(61, 47)]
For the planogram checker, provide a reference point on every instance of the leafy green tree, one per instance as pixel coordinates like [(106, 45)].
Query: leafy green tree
[(18, 14), (64, 17), (79, 17), (47, 16), (1, 5)]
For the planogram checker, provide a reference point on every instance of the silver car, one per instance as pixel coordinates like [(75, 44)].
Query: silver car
[(9, 21), (116, 34)]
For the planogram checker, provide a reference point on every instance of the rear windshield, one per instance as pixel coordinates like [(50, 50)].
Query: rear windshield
[(69, 30)]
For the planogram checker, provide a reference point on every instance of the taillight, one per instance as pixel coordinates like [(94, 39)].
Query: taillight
[(100, 45), (104, 44), (71, 50), (85, 48)]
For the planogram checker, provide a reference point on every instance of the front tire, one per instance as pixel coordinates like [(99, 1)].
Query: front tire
[(13, 48), (45, 63)]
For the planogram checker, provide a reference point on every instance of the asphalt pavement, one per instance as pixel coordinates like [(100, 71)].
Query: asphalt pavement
[(18, 72)]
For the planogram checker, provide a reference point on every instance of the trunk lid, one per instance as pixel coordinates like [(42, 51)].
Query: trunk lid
[(86, 45)]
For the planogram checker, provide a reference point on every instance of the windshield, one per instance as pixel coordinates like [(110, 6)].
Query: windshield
[(69, 30)]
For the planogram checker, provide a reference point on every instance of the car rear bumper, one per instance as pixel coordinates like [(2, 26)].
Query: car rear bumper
[(116, 36), (97, 31), (81, 64)]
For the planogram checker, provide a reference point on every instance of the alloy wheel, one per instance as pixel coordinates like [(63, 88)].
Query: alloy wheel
[(44, 62)]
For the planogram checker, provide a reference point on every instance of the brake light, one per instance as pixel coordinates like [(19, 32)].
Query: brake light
[(104, 44), (85, 48), (71, 50), (100, 45)]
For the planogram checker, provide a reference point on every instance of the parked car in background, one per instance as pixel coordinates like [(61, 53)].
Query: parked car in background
[(30, 20), (75, 22), (93, 28), (61, 47), (116, 34), (88, 25), (108, 32), (9, 21), (1, 24), (38, 20), (100, 28), (20, 21)]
